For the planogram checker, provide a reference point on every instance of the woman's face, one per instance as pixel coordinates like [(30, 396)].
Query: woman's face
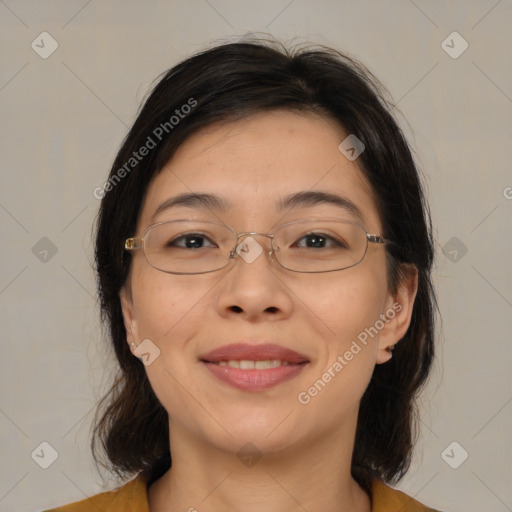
[(340, 323)]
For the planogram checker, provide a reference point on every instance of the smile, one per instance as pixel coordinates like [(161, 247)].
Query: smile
[(253, 365), (249, 376)]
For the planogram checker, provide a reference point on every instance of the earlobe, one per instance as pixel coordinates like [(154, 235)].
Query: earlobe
[(399, 308)]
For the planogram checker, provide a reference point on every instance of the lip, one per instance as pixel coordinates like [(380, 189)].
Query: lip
[(249, 352), (254, 379)]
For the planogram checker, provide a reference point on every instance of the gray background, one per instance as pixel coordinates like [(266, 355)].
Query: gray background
[(63, 119)]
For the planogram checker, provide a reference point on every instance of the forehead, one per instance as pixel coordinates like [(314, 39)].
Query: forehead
[(255, 162)]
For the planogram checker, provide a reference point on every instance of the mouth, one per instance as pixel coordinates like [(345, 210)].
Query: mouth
[(254, 367), (246, 364)]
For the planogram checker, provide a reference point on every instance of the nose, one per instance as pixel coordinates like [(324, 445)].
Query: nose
[(253, 288)]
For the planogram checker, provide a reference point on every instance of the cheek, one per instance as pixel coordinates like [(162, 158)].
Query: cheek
[(165, 306), (347, 303), (168, 312), (347, 362)]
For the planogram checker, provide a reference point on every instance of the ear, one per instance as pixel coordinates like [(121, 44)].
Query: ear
[(398, 311), (130, 323)]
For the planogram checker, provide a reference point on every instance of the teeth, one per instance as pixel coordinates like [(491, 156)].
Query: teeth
[(263, 365), (254, 365)]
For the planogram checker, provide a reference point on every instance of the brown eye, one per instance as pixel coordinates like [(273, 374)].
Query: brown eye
[(191, 241), (319, 241)]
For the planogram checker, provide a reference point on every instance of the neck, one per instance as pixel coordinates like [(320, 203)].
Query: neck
[(310, 476)]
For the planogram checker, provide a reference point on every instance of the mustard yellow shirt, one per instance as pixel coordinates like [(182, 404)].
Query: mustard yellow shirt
[(133, 497)]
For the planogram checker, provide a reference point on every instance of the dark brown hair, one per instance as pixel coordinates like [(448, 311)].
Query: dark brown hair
[(229, 82)]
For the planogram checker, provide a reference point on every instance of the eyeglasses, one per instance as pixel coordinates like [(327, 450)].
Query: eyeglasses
[(197, 247)]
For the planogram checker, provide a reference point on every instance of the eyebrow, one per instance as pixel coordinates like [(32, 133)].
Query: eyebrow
[(192, 200), (314, 198), (306, 199)]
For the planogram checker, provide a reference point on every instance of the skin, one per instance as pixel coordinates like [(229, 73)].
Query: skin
[(306, 449)]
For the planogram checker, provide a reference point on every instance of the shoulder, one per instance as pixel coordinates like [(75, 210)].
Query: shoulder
[(131, 497), (386, 499)]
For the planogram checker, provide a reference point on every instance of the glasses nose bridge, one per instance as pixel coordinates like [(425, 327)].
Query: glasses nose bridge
[(241, 236)]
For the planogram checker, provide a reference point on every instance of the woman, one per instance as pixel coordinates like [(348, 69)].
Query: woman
[(263, 256)]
